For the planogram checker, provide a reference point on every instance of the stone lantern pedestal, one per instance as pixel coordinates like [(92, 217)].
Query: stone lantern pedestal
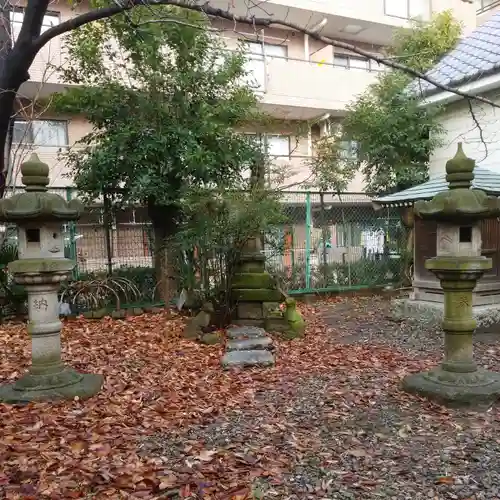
[(458, 265), (41, 268)]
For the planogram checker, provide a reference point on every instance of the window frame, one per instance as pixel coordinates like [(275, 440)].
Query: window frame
[(408, 10), (371, 66), (351, 151), (45, 26), (288, 139), (263, 54), (262, 139), (31, 138)]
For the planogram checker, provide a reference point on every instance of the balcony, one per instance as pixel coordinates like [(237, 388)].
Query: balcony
[(300, 90), (369, 21)]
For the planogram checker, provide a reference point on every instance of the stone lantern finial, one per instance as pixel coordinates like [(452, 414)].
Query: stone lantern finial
[(460, 170), (35, 174)]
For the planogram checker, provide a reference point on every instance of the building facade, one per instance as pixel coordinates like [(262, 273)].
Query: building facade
[(298, 79)]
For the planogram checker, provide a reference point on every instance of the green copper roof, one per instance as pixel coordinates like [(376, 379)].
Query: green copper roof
[(484, 179), (459, 202)]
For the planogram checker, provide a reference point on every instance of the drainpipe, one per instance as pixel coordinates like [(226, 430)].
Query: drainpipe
[(306, 47), (320, 25)]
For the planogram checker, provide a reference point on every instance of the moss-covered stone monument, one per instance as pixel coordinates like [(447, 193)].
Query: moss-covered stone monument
[(40, 269), (458, 265), (257, 297)]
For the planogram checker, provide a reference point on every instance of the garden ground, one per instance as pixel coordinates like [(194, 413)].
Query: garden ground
[(329, 421)]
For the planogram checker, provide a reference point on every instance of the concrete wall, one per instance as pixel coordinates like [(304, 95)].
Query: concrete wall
[(459, 126)]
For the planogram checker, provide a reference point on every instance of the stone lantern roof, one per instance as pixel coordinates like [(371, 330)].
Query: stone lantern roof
[(36, 204), (460, 203)]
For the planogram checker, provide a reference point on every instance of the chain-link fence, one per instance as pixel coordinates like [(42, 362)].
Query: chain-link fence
[(338, 242), (331, 242)]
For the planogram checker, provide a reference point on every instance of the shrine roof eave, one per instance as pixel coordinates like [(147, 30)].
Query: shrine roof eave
[(485, 179)]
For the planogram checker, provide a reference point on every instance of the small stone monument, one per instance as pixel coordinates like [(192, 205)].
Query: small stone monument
[(458, 265), (40, 269)]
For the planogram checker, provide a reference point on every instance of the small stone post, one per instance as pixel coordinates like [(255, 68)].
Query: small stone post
[(458, 265), (41, 268)]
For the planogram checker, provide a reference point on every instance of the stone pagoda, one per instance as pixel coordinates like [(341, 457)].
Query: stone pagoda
[(458, 265), (41, 268)]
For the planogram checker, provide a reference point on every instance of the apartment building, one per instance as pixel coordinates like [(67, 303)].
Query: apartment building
[(297, 77)]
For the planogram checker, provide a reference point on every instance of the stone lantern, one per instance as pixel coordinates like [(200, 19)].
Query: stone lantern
[(458, 265), (41, 268)]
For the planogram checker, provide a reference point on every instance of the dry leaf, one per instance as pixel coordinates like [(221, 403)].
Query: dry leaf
[(445, 480), (358, 452), (206, 455)]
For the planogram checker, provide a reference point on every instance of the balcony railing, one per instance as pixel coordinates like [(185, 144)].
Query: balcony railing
[(258, 66), (308, 84), (486, 5)]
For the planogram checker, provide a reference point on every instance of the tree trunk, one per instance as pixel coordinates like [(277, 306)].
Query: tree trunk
[(165, 222), (5, 49), (15, 62)]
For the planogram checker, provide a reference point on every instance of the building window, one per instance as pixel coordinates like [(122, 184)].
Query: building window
[(349, 150), (356, 62), (408, 9), (255, 65), (348, 61), (261, 49), (16, 20), (278, 145), (41, 133), (274, 145)]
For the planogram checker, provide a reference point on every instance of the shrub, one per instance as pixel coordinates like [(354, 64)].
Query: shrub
[(14, 297)]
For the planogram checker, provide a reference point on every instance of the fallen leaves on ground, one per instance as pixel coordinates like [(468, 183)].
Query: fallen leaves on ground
[(329, 421)]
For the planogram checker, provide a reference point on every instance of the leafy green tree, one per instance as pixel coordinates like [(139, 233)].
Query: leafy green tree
[(165, 102), (395, 135)]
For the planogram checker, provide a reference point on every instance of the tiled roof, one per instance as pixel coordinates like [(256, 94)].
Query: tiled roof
[(474, 57), (485, 179)]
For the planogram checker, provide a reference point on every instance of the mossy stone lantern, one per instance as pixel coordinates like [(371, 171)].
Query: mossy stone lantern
[(458, 265), (41, 268)]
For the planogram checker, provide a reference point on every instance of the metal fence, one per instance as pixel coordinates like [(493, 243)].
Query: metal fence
[(330, 242), (337, 243)]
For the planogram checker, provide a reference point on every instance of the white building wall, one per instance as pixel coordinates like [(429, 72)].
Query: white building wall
[(480, 143)]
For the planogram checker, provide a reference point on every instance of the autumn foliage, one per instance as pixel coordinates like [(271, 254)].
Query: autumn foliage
[(169, 423)]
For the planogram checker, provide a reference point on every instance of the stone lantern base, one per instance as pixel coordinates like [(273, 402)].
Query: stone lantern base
[(64, 384), (458, 380), (461, 389)]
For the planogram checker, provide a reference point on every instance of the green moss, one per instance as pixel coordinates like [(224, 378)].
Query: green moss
[(257, 295), (292, 334), (41, 266), (252, 280), (296, 323), (120, 314), (210, 339), (276, 325), (250, 267)]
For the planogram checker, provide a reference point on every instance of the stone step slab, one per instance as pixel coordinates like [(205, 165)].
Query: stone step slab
[(249, 344), (243, 359), (245, 332)]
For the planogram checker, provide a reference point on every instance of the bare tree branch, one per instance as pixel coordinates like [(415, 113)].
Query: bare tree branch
[(206, 9)]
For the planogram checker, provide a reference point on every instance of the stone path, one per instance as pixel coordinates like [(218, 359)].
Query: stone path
[(248, 346)]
